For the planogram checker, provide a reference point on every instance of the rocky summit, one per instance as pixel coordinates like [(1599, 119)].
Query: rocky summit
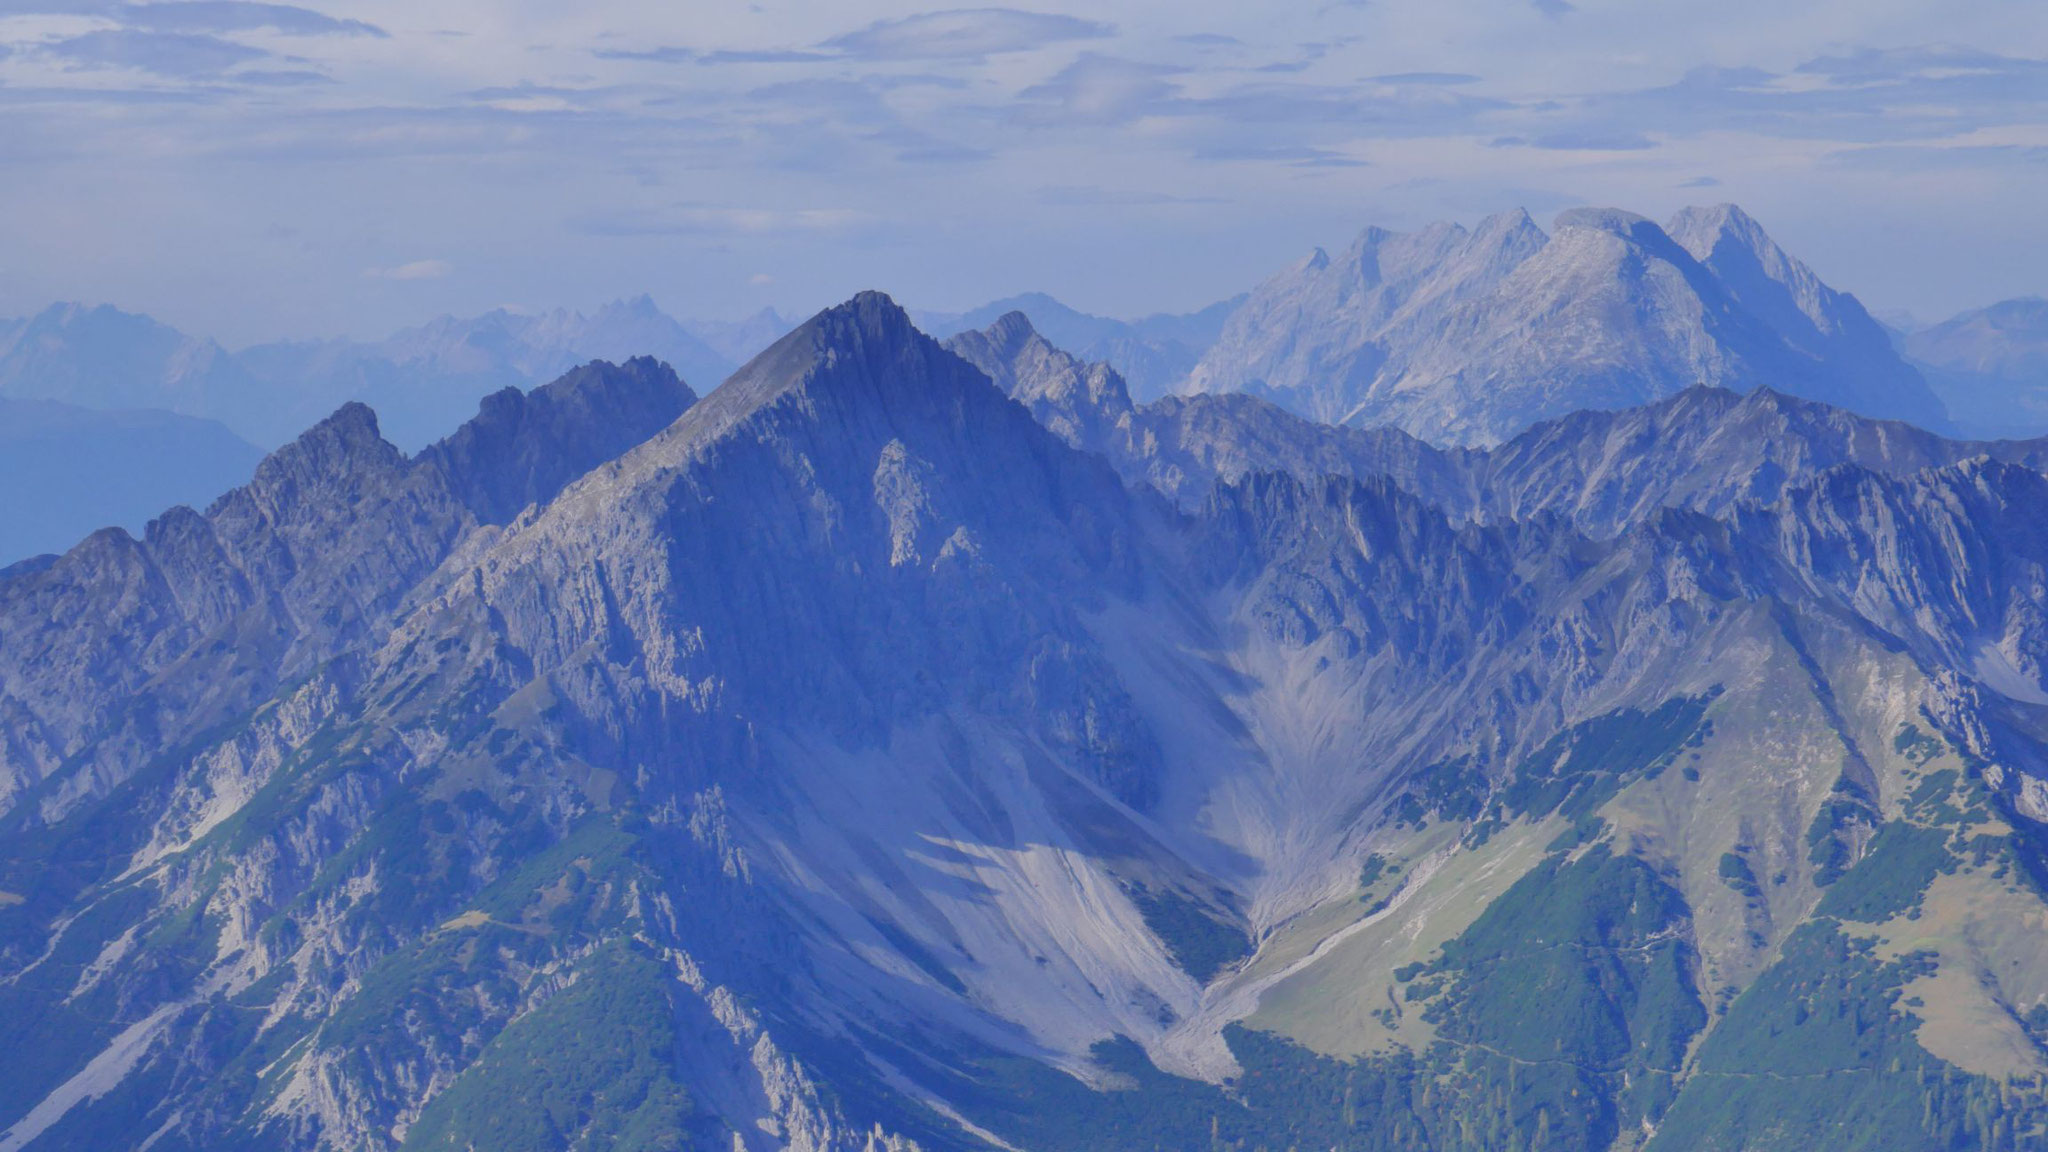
[(1469, 336), (926, 746)]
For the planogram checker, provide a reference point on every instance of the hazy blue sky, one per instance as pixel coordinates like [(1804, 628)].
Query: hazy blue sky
[(247, 169)]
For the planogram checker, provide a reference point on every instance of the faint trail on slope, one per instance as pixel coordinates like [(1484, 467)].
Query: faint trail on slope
[(1195, 1046)]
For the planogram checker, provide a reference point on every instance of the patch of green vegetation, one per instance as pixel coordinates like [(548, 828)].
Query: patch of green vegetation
[(1593, 942), (1453, 789), (1201, 942), (1915, 745), (1370, 872), (1902, 861), (1379, 881), (1583, 831), (594, 1067), (1736, 873), (1581, 768), (1815, 1054), (1929, 800), (2035, 1021)]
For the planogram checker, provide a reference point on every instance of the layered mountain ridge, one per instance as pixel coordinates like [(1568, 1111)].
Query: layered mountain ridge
[(921, 745), (1705, 447), (423, 381)]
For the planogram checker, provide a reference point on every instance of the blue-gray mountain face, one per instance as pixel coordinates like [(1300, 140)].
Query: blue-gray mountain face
[(65, 470), (924, 746), (1990, 366), (1468, 337), (1153, 355)]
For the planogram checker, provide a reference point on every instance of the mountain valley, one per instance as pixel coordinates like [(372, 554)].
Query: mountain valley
[(919, 744)]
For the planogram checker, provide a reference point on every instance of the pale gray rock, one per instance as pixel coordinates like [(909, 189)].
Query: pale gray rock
[(1469, 337)]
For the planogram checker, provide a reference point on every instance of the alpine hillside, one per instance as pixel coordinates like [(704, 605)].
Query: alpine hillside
[(912, 745)]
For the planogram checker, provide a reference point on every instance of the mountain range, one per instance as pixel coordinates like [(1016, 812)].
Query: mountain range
[(1458, 336), (423, 380), (1990, 366), (1153, 355), (924, 745), (1470, 336)]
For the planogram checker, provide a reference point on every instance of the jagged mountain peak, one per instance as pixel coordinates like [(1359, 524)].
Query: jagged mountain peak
[(642, 305), (854, 344), (1469, 337), (1505, 221), (1011, 332), (1730, 241), (1616, 221), (1698, 226), (1645, 250), (523, 447), (342, 449), (855, 708)]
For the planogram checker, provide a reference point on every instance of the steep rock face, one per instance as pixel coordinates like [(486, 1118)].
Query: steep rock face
[(1468, 338), (1864, 374), (1315, 337), (1911, 554), (855, 763), (1183, 446), (1087, 405), (523, 447), (1707, 449), (125, 645)]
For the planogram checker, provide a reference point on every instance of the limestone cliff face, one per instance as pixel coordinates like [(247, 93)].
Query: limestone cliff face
[(1469, 337)]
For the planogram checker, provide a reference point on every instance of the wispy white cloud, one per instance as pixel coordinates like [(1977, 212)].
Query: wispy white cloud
[(238, 16), (200, 16), (415, 270), (163, 53), (718, 220), (1148, 154), (964, 34)]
